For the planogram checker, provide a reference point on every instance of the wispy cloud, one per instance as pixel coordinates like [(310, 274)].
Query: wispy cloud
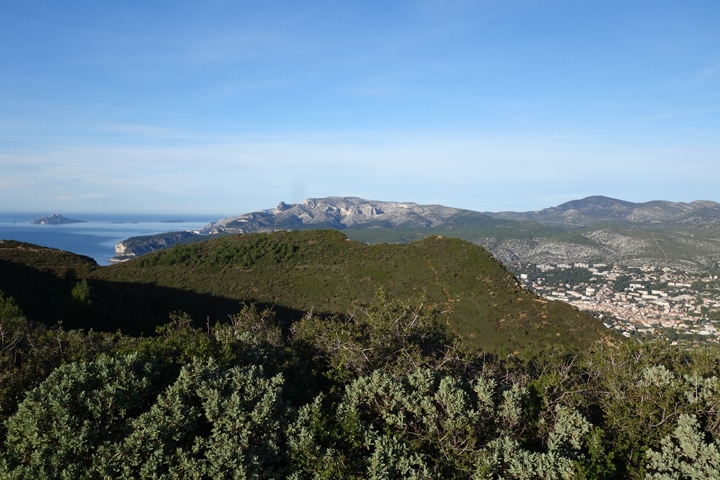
[(238, 170), (214, 47), (369, 90), (154, 131), (702, 77), (443, 18)]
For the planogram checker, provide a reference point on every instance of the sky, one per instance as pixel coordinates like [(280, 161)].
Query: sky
[(227, 107)]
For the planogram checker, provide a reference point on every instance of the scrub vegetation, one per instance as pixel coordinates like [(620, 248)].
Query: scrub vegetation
[(305, 355)]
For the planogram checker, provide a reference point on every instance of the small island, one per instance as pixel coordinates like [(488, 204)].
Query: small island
[(55, 219)]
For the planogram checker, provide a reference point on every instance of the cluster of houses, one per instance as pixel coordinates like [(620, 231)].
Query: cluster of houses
[(646, 302)]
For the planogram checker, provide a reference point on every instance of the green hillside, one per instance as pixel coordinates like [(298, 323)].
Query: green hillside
[(323, 272)]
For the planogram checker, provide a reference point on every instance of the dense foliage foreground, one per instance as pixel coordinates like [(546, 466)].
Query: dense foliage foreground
[(382, 393)]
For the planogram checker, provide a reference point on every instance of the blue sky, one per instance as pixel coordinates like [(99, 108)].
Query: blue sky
[(226, 107)]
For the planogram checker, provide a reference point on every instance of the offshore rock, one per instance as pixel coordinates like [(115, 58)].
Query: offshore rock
[(55, 219)]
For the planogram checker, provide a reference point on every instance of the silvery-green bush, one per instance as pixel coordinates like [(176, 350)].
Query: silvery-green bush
[(105, 419)]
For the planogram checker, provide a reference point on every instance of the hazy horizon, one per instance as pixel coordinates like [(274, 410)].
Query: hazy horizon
[(194, 215)]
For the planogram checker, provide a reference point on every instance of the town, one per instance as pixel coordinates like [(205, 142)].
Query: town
[(641, 302)]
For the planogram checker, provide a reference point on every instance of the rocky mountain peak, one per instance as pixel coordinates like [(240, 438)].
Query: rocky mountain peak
[(340, 213)]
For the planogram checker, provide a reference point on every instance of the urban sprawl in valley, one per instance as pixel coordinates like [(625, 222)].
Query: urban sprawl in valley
[(645, 302)]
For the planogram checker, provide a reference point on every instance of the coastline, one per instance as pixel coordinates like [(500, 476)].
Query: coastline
[(98, 235)]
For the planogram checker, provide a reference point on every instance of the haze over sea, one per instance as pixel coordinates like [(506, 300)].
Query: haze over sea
[(97, 236)]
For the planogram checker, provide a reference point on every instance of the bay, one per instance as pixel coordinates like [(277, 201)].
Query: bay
[(97, 235)]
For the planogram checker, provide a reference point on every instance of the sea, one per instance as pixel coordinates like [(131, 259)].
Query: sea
[(97, 235)]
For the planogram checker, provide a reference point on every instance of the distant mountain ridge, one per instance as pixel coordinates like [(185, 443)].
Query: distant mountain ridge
[(595, 209), (594, 229), (344, 212), (600, 229)]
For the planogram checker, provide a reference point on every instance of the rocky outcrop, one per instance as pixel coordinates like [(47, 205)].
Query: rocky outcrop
[(136, 246), (341, 213)]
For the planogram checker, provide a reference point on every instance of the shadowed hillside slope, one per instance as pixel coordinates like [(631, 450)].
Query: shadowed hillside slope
[(324, 272)]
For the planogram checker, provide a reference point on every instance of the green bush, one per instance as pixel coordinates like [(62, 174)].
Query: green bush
[(75, 416), (685, 454), (104, 419)]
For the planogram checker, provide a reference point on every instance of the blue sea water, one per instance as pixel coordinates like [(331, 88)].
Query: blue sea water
[(97, 236)]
